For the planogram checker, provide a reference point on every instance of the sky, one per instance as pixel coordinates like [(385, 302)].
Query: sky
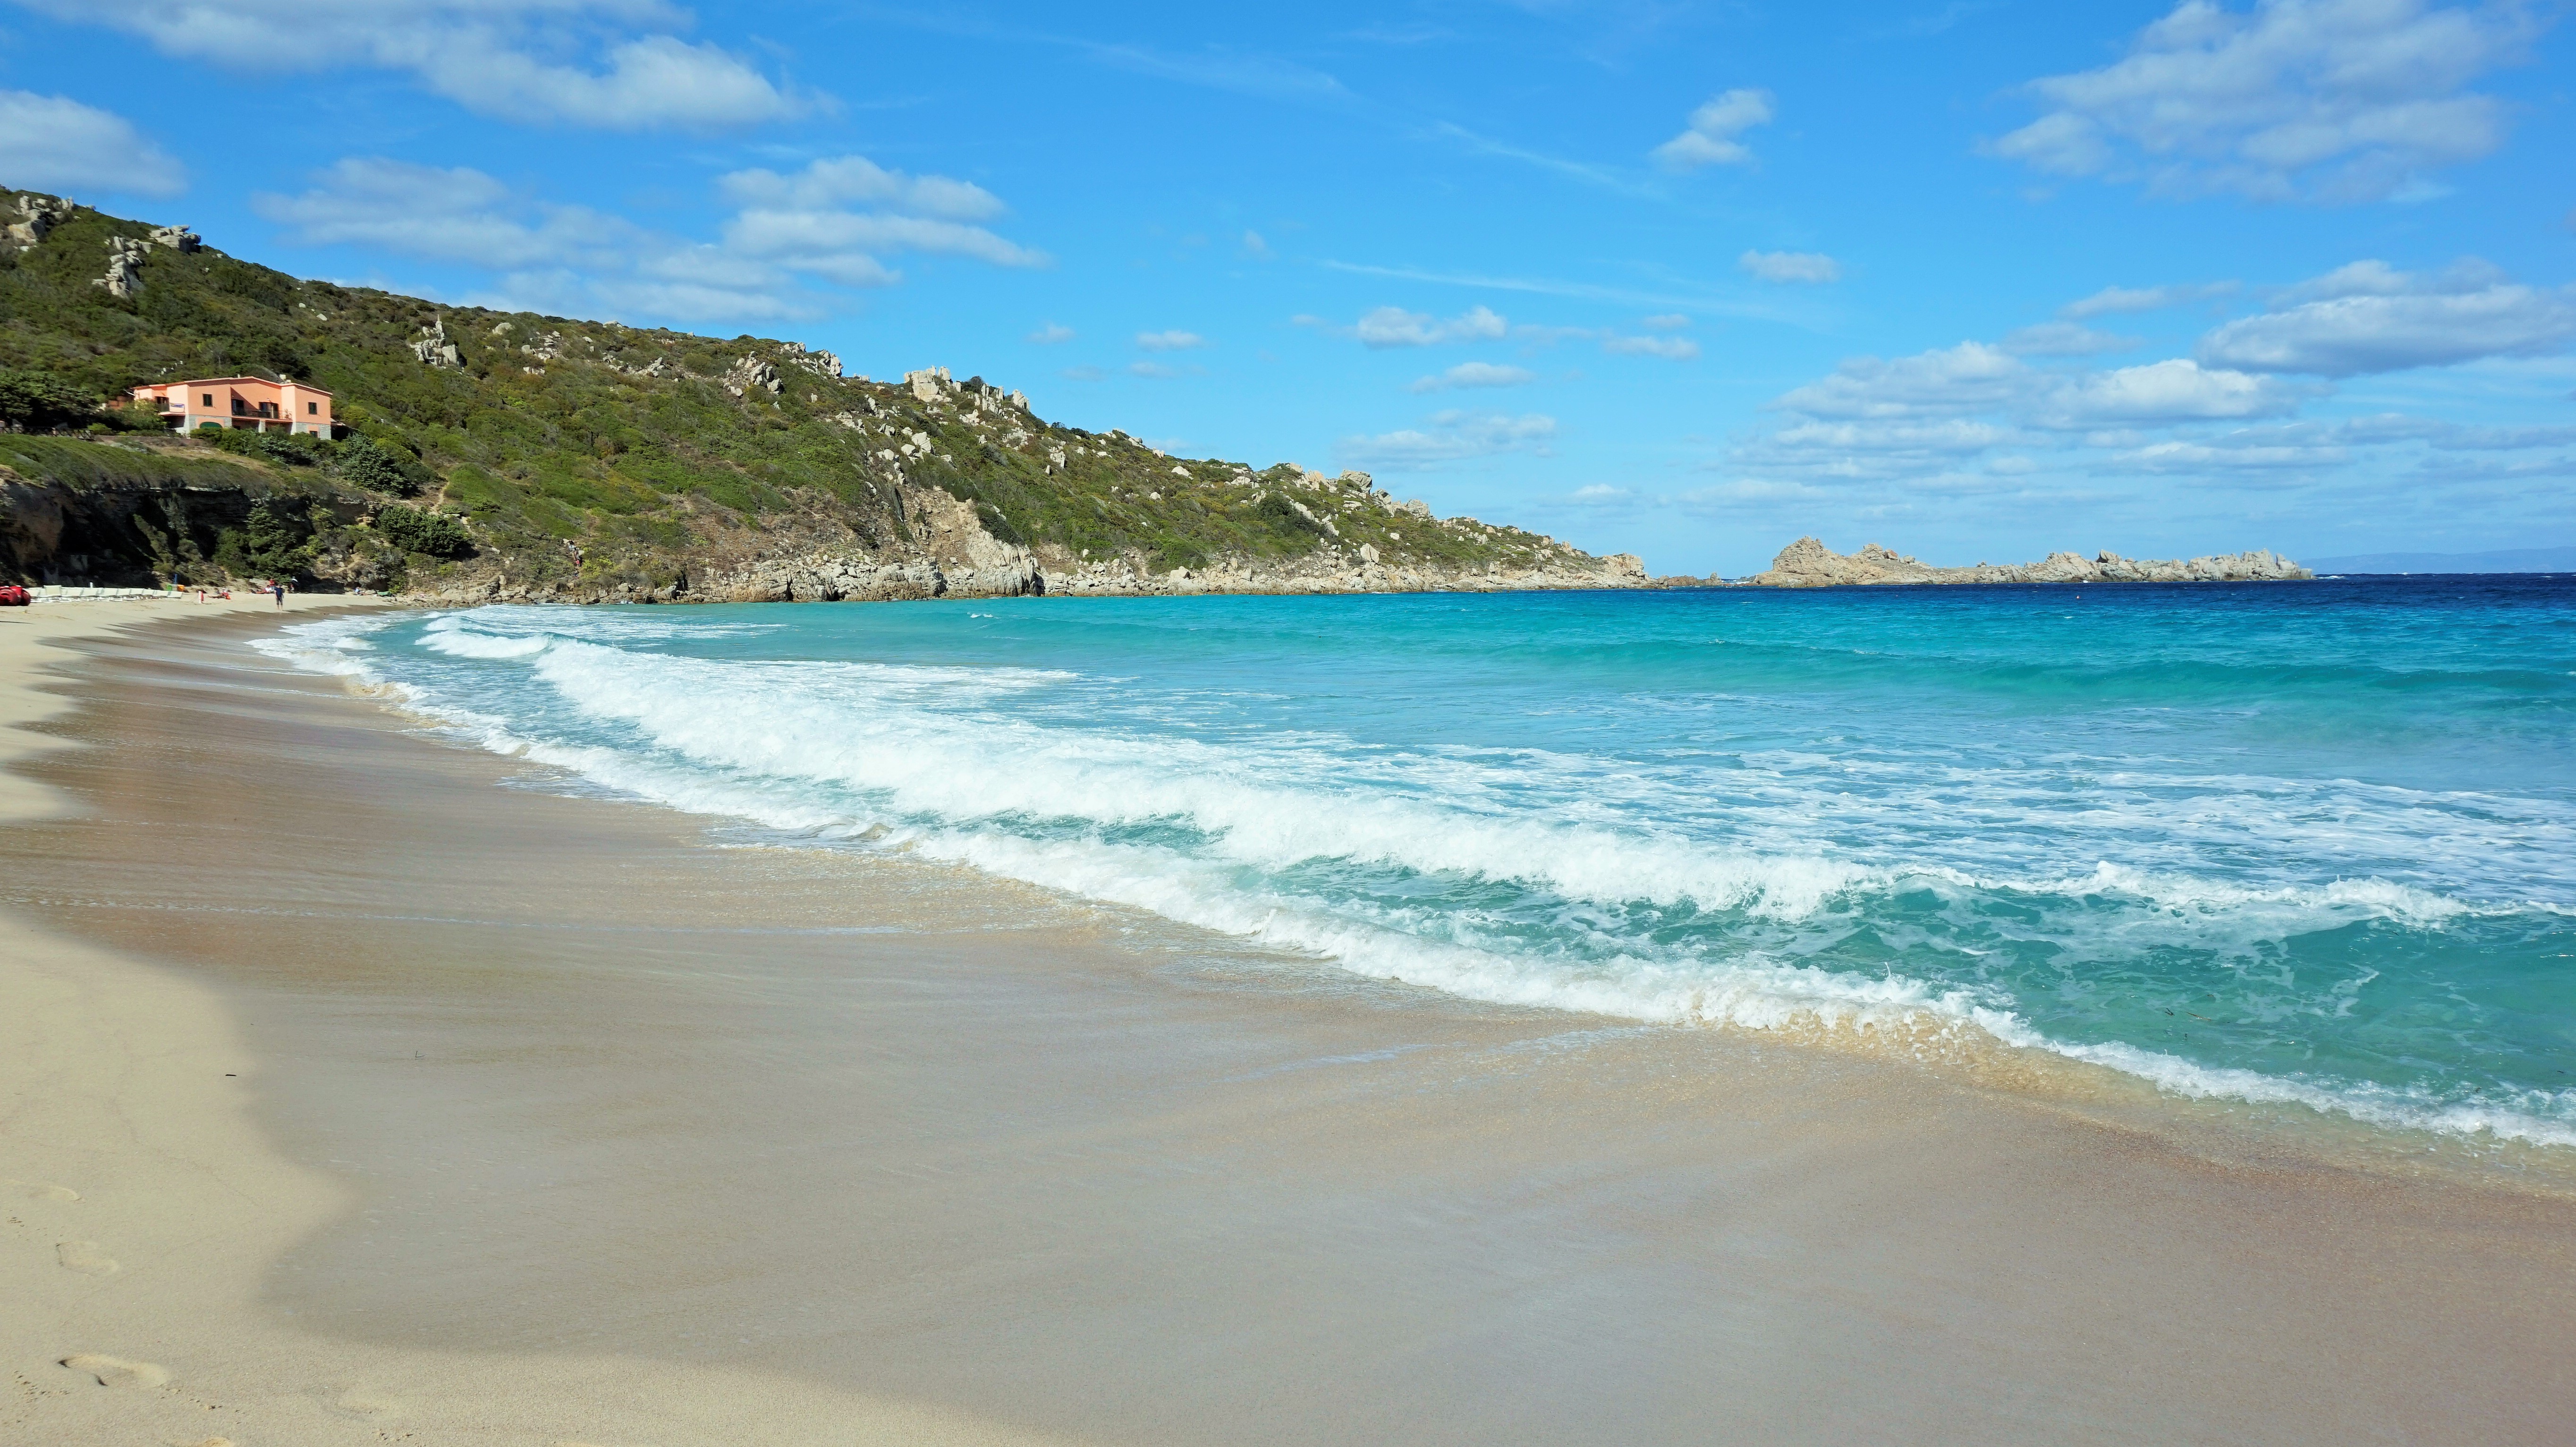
[(1977, 279)]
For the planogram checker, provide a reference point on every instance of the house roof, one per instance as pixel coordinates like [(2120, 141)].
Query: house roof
[(224, 381)]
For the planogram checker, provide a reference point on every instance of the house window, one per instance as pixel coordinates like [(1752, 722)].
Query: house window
[(210, 399), (313, 409)]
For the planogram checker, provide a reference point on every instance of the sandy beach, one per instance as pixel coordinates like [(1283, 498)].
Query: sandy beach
[(358, 1092), (147, 1209)]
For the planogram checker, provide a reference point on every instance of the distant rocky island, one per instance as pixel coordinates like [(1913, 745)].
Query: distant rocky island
[(1808, 563)]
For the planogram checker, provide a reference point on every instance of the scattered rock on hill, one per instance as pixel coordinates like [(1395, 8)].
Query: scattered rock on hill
[(433, 348), (124, 267), (37, 216), (752, 372)]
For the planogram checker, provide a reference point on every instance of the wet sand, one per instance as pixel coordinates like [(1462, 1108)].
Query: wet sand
[(584, 1128)]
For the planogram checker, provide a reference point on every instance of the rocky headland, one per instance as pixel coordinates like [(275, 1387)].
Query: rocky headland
[(1808, 563), (482, 455), (943, 550)]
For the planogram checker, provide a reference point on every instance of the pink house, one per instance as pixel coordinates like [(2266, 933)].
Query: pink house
[(251, 403)]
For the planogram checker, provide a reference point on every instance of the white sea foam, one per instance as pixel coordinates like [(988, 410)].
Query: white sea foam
[(833, 723), (985, 765), (482, 645), (326, 645), (2536, 1117), (1744, 994)]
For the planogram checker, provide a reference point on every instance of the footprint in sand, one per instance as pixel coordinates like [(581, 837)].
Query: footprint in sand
[(117, 1371), (364, 1405), (83, 1257), (39, 1191)]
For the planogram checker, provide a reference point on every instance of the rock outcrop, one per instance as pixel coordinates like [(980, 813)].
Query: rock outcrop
[(36, 217), (751, 372), (1808, 563), (124, 267), (957, 558), (820, 363), (433, 348)]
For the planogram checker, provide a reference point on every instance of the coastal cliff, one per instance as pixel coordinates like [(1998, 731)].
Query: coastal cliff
[(490, 455), (1808, 563)]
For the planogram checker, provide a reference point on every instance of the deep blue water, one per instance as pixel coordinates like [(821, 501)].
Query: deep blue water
[(2309, 842)]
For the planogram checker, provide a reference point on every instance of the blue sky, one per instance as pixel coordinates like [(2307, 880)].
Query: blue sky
[(1977, 280)]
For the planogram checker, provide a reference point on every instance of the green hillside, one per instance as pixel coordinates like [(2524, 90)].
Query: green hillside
[(577, 456)]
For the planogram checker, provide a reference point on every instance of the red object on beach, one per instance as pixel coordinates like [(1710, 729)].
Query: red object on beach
[(13, 596)]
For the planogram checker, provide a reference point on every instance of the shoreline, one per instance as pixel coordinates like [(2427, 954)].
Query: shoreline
[(1184, 1194), (2201, 1106)]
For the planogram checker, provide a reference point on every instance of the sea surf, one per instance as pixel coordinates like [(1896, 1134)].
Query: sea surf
[(2305, 846)]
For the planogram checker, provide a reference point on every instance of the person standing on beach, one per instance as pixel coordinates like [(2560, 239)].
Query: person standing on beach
[(280, 590)]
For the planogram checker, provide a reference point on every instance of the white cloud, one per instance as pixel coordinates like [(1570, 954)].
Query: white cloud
[(2452, 438), (1151, 370), (1255, 247), (2175, 390), (1391, 326), (581, 62), (1602, 495), (819, 240), (1474, 374), (1951, 435), (1671, 349), (839, 182), (2064, 339), (1914, 417), (1710, 139), (53, 143), (1051, 334), (1811, 267), (2315, 100), (2118, 299), (2369, 317), (445, 214), (1449, 437), (1975, 435), (1606, 178), (1668, 322), (1968, 377), (2378, 278), (576, 258), (2207, 457), (1171, 341), (802, 221)]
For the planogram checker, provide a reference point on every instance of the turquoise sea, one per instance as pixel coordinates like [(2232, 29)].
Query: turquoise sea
[(2305, 845)]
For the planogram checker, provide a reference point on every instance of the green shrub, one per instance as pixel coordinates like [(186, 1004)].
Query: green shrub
[(1276, 510), (380, 469), (295, 449), (272, 543), (417, 531), (998, 525), (35, 402), (137, 417)]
